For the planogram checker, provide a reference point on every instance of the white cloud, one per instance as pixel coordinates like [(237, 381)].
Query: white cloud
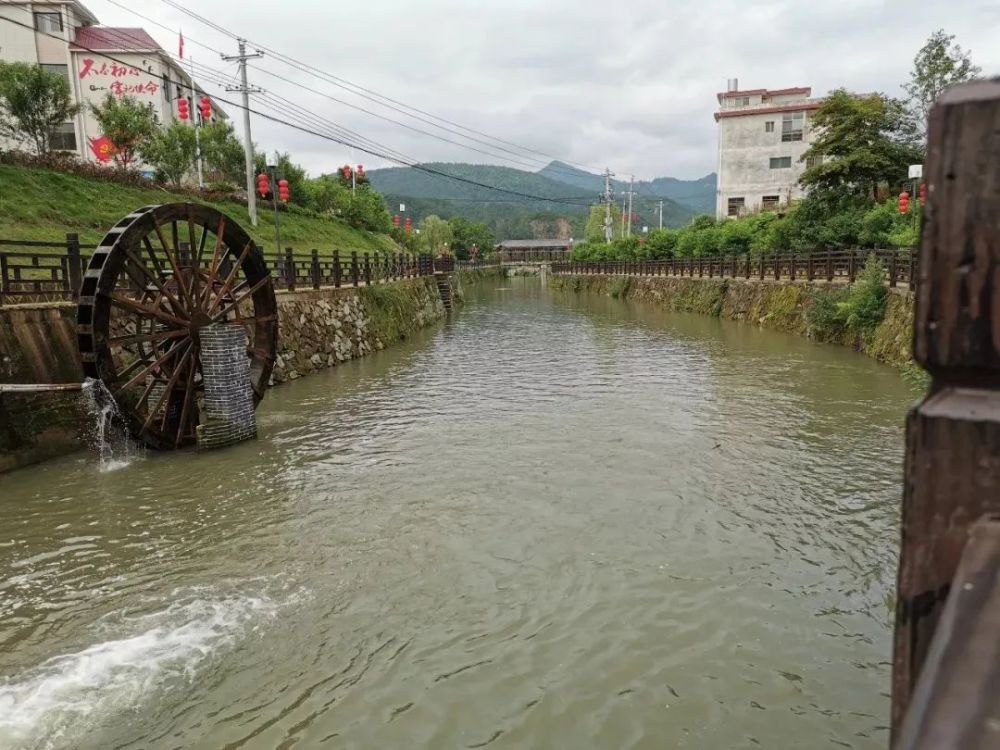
[(630, 85)]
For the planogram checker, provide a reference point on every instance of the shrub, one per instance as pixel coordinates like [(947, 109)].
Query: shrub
[(865, 304), (620, 286)]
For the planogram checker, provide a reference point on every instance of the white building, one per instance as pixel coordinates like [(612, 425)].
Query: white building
[(96, 60), (762, 137)]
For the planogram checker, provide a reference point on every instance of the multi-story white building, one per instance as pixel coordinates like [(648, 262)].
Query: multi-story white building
[(762, 136), (96, 60)]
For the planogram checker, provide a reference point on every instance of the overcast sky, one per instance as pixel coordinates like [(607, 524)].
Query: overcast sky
[(627, 85)]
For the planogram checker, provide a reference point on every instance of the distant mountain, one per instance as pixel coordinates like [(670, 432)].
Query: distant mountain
[(696, 195), (538, 204)]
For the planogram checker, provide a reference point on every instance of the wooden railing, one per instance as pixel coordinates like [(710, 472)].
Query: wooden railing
[(832, 265), (28, 274)]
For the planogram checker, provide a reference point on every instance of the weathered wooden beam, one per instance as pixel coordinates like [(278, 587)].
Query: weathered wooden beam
[(953, 435), (956, 704)]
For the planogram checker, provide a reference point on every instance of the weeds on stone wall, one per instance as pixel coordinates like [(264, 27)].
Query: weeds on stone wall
[(620, 286), (390, 309), (855, 312)]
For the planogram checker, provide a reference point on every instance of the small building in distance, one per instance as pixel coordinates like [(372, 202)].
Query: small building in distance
[(63, 37), (763, 134)]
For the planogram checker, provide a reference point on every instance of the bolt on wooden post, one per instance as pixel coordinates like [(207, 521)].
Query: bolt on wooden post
[(952, 481)]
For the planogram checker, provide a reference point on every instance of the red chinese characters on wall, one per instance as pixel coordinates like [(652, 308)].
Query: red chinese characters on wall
[(118, 79)]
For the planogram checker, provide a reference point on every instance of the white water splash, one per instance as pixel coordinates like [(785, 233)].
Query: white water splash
[(108, 434), (69, 695)]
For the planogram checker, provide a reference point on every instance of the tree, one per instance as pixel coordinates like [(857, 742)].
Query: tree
[(435, 233), (594, 231), (939, 64), (223, 152), (172, 150), (127, 123), (33, 101), (467, 234), (862, 141)]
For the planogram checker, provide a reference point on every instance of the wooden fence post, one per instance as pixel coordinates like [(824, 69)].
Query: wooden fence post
[(317, 275), (953, 435), (829, 264), (368, 270), (289, 269), (337, 270), (75, 264), (892, 267), (354, 267), (851, 266), (911, 273)]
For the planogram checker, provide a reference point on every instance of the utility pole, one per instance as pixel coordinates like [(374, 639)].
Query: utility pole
[(631, 192), (608, 230), (245, 89), (624, 204), (661, 214)]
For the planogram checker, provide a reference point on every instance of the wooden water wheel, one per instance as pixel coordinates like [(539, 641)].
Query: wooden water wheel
[(157, 279)]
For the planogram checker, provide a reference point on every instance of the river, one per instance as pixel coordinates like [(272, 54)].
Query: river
[(552, 522)]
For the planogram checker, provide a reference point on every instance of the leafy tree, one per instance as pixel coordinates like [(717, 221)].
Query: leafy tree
[(939, 64), (467, 234), (172, 150), (862, 141), (662, 243), (33, 101), (435, 233), (365, 209), (594, 231), (127, 123), (223, 152)]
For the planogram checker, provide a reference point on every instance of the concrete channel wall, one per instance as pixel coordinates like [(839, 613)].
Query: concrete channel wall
[(317, 329), (778, 305)]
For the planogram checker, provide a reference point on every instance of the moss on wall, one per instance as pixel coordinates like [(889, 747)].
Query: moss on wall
[(777, 305)]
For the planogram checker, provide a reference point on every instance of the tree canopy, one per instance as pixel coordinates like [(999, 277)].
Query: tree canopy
[(172, 150), (435, 233), (467, 234), (33, 101), (939, 64), (127, 123)]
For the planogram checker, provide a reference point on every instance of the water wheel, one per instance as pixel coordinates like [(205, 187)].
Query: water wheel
[(157, 279)]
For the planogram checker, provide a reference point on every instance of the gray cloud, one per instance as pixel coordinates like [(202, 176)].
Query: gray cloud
[(631, 86)]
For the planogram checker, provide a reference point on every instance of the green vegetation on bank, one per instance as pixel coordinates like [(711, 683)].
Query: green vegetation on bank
[(44, 204)]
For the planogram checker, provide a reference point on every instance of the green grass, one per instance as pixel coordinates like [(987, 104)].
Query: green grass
[(41, 204)]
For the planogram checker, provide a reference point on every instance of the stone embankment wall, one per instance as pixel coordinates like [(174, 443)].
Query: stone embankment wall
[(317, 329), (779, 305)]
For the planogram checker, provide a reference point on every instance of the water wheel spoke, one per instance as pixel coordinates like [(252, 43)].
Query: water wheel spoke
[(237, 301), (157, 283), (188, 397), (154, 366), (166, 391), (229, 279), (146, 338), (195, 261), (213, 267), (174, 263), (136, 306), (152, 258)]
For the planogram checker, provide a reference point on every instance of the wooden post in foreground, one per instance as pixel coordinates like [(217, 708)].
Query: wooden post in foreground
[(953, 442)]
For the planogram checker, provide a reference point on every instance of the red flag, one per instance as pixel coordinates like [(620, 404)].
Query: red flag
[(180, 44)]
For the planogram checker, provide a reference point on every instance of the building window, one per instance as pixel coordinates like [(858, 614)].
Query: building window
[(736, 206), (770, 202), (781, 162), (813, 161), (63, 137), (49, 22), (792, 124), (62, 70), (769, 126), (743, 101)]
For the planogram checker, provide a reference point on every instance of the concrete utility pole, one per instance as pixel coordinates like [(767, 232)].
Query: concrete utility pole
[(245, 89), (608, 230), (631, 192), (661, 214), (624, 205)]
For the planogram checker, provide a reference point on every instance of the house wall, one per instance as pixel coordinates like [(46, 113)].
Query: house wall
[(745, 151)]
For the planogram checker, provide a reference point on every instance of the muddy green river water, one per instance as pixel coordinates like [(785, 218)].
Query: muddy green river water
[(551, 522)]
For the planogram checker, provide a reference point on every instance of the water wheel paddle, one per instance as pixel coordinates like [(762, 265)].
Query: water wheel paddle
[(157, 279)]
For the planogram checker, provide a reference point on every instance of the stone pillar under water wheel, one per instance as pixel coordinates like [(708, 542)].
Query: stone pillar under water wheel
[(228, 416)]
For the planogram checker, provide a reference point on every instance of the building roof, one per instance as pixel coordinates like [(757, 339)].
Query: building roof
[(766, 93), (533, 244), (803, 106), (110, 38)]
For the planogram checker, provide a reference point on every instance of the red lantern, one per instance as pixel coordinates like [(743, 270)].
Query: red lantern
[(922, 193), (283, 193), (395, 221), (205, 105), (409, 224), (904, 202), (263, 184), (182, 108), (361, 171), (346, 171)]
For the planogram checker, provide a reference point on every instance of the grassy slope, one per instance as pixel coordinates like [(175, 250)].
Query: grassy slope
[(37, 204)]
